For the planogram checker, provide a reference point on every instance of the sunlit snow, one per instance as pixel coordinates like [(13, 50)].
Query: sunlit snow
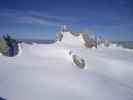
[(46, 72)]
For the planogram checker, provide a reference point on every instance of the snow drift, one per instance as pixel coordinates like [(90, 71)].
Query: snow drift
[(46, 72)]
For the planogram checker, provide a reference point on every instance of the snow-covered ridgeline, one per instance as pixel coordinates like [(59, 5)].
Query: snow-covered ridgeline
[(46, 71)]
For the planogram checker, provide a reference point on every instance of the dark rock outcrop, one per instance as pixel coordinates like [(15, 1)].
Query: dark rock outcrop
[(59, 37), (78, 61), (89, 42), (2, 98), (3, 46), (8, 46)]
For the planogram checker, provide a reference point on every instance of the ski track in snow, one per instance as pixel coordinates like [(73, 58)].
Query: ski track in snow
[(46, 72)]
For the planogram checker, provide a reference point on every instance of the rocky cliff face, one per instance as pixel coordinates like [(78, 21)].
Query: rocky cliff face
[(8, 46), (3, 46), (77, 38), (89, 42)]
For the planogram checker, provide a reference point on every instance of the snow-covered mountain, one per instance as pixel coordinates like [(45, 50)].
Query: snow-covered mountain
[(48, 72)]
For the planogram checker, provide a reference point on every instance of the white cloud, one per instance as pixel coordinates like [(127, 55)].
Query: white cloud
[(30, 17)]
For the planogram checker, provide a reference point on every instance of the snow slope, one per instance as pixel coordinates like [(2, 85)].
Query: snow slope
[(46, 72)]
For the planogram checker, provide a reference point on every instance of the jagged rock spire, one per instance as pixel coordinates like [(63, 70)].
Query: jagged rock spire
[(59, 35)]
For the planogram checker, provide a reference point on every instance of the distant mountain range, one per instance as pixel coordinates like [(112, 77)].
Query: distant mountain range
[(30, 41), (125, 44)]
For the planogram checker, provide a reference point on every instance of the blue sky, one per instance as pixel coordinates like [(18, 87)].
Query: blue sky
[(41, 19)]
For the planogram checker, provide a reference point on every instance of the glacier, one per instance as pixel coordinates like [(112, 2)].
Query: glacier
[(46, 72)]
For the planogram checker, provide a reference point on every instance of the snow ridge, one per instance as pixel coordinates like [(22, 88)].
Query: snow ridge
[(48, 71)]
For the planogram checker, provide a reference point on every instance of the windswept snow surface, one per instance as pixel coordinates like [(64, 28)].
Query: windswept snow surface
[(46, 72)]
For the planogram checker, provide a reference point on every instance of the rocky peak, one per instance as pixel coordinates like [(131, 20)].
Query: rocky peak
[(75, 38)]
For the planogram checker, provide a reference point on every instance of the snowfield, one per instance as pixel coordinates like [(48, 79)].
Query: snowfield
[(46, 72)]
